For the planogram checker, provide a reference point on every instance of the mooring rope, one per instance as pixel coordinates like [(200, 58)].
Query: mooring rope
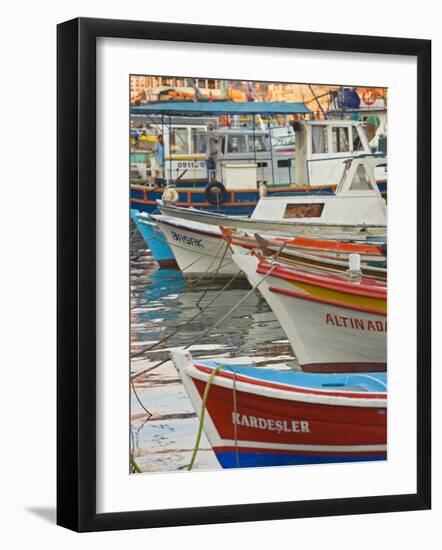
[(213, 374), (235, 426), (185, 323), (215, 273), (202, 414), (220, 320), (203, 275), (136, 469), (149, 414)]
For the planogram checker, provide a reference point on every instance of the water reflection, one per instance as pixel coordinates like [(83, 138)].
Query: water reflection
[(161, 300)]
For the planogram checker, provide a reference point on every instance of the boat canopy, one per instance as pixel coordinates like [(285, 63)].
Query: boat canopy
[(221, 108)]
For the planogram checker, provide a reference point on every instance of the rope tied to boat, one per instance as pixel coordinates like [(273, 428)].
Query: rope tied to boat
[(225, 316), (202, 414), (215, 371)]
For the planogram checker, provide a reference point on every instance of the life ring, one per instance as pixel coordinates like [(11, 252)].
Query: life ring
[(170, 195), (215, 193), (369, 96)]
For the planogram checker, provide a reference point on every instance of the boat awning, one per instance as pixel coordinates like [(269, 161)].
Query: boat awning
[(221, 108)]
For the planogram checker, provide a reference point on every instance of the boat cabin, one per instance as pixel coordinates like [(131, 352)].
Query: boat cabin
[(323, 145), (252, 153), (357, 200), (185, 151)]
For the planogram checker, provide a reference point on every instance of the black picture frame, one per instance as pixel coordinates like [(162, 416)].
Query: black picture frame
[(76, 274)]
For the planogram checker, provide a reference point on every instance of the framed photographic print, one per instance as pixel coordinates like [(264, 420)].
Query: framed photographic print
[(230, 203)]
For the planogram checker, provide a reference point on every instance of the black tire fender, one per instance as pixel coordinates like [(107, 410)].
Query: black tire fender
[(215, 193)]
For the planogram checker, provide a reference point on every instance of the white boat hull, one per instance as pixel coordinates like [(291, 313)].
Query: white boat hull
[(325, 338), (198, 251)]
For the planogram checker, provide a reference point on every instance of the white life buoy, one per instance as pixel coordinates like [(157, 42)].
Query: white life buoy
[(170, 195)]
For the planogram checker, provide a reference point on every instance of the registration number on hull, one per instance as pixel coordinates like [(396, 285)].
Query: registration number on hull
[(191, 241)]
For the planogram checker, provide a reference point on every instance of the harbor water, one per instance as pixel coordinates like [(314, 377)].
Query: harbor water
[(162, 301)]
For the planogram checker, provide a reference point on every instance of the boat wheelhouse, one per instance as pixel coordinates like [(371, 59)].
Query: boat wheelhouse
[(185, 144), (322, 146), (235, 179)]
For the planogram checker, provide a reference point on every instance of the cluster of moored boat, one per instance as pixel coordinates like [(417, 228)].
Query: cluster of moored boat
[(320, 262)]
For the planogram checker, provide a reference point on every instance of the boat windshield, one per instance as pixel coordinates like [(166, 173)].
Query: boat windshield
[(361, 180)]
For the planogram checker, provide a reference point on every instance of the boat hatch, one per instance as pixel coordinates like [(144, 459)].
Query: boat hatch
[(309, 210)]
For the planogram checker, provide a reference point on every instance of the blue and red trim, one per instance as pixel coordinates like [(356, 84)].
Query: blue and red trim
[(229, 457)]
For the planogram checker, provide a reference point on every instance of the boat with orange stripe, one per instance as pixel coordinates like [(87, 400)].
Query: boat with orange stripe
[(324, 257), (335, 323), (325, 248)]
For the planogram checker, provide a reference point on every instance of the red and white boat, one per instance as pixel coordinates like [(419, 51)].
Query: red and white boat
[(317, 254), (325, 248), (256, 416), (201, 248), (333, 323)]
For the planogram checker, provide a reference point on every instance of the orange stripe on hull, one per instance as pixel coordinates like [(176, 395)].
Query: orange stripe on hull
[(344, 303)]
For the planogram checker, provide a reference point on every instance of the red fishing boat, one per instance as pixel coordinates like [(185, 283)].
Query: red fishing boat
[(256, 416)]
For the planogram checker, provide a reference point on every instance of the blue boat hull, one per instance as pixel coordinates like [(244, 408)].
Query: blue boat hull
[(155, 240)]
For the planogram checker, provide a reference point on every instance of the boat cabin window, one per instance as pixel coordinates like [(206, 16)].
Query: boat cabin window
[(340, 140), (319, 139), (287, 140), (222, 145), (199, 141), (236, 144), (311, 210), (257, 144), (361, 180), (180, 141), (357, 143)]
